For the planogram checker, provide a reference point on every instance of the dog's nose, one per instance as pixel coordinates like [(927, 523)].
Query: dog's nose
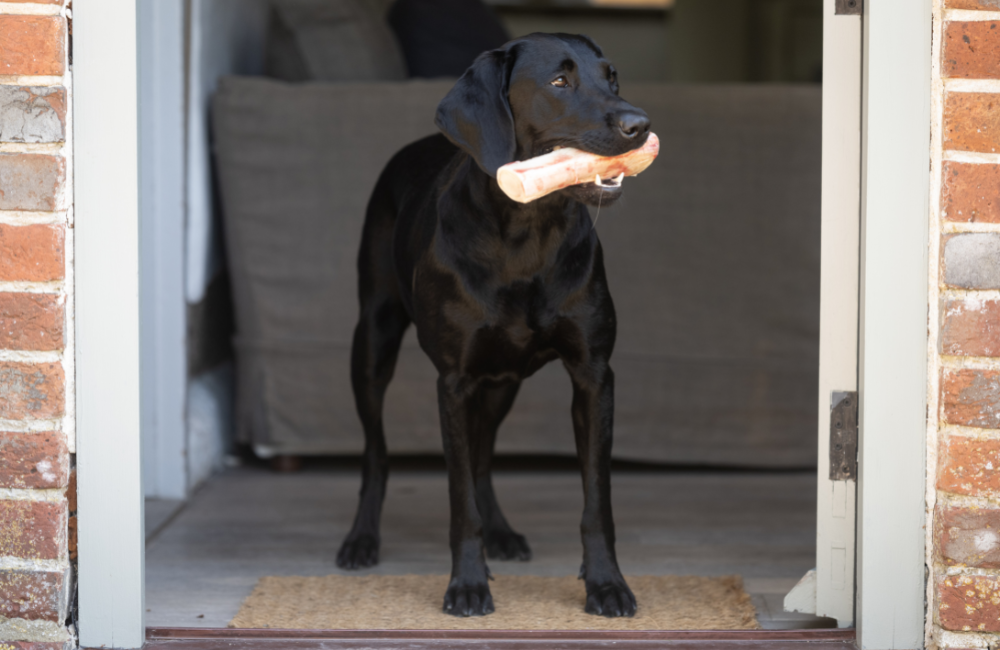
[(633, 123)]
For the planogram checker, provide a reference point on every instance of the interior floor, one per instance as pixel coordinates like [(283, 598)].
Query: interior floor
[(202, 560)]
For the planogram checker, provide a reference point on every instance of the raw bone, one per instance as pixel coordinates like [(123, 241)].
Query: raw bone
[(527, 180)]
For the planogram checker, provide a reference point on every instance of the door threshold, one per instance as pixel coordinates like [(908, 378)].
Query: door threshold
[(176, 638)]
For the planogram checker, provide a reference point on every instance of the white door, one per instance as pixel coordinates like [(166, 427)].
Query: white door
[(830, 590), (838, 338)]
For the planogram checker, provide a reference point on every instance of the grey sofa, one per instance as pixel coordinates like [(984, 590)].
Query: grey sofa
[(712, 256)]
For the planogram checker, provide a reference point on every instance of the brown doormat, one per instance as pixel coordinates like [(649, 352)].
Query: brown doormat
[(522, 603)]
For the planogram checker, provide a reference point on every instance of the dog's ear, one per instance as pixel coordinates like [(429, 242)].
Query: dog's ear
[(475, 115)]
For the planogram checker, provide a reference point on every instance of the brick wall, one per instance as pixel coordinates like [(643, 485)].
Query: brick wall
[(37, 499), (964, 504)]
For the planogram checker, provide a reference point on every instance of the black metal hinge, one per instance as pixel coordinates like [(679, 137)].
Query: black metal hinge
[(844, 436), (849, 7)]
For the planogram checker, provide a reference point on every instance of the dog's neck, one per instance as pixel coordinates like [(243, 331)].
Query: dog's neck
[(556, 211), (480, 224)]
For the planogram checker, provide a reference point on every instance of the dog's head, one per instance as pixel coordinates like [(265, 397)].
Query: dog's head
[(538, 93)]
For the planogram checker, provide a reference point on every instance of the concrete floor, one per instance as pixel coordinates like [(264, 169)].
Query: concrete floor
[(250, 522)]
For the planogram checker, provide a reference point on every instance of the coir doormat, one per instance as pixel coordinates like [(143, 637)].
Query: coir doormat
[(413, 602)]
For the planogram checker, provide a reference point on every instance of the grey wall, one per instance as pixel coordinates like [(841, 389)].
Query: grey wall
[(636, 41), (224, 37), (698, 41)]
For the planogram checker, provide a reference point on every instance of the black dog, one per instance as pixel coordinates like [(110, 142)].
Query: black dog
[(496, 289)]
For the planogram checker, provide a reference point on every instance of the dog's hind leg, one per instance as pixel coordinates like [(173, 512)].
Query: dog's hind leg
[(377, 338), (502, 542)]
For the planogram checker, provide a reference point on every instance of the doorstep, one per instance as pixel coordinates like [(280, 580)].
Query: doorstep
[(266, 639)]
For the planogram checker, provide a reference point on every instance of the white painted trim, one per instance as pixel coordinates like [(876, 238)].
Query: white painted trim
[(894, 322), (198, 234), (838, 335), (105, 118), (161, 200)]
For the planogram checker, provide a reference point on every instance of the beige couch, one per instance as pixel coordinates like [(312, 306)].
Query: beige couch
[(712, 257)]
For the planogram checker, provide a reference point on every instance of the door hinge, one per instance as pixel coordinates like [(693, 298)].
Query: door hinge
[(843, 436), (849, 7)]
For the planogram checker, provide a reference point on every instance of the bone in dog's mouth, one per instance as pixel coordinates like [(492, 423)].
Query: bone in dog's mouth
[(562, 167)]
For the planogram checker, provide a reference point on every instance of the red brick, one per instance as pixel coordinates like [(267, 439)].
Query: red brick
[(968, 536), (969, 603), (32, 45), (990, 5), (31, 390), (31, 253), (30, 181), (972, 50), (971, 193), (33, 595), (33, 530), (33, 460), (969, 466), (31, 321), (971, 398), (971, 327), (972, 122)]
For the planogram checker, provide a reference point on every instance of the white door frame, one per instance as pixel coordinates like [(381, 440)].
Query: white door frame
[(892, 335), (839, 289), (106, 205), (895, 217)]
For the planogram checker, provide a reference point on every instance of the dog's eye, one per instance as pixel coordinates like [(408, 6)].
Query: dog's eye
[(560, 82)]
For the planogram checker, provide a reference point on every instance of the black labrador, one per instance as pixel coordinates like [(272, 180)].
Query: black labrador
[(496, 289)]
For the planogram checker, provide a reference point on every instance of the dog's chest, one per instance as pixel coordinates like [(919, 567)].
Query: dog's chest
[(517, 337)]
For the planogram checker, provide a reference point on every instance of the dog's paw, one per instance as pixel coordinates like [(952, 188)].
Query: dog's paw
[(611, 599), (468, 599), (358, 552), (506, 545)]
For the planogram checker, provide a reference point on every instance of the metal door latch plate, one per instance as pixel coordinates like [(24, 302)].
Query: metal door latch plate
[(844, 436), (849, 7)]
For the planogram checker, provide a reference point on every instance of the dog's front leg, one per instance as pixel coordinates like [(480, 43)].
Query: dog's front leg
[(469, 591), (593, 416)]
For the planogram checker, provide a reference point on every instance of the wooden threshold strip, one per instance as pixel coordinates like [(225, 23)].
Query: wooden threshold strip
[(268, 639)]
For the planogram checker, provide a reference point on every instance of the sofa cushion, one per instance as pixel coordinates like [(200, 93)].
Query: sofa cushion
[(712, 257), (331, 40)]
